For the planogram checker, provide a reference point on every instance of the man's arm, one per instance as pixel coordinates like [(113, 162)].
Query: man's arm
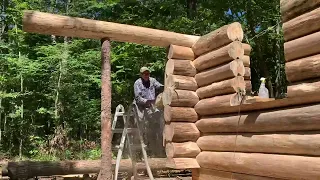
[(158, 85)]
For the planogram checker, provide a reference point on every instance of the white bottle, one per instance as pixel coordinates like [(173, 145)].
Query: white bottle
[(263, 91)]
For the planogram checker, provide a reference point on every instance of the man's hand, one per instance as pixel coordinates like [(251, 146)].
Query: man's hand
[(149, 103)]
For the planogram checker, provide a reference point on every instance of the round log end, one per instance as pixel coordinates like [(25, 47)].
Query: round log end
[(235, 32), (236, 50), (169, 150)]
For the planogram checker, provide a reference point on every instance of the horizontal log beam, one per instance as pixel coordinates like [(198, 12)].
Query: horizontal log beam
[(52, 24), (180, 52), (293, 8), (302, 47), (299, 94), (221, 88), (302, 143), (180, 67), (302, 25), (182, 150), (182, 163), (181, 132), (180, 114), (218, 38), (303, 69), (181, 82), (179, 98), (220, 73), (208, 174), (303, 118), (269, 165), (29, 169), (219, 56)]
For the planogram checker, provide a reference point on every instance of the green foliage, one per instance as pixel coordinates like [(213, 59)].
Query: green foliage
[(50, 86)]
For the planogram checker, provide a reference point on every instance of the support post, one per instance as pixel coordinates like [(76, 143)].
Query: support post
[(106, 159)]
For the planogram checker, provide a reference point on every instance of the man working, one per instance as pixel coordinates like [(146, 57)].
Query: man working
[(151, 119), (145, 89)]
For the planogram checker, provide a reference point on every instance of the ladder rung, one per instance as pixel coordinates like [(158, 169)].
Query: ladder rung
[(119, 113), (129, 130)]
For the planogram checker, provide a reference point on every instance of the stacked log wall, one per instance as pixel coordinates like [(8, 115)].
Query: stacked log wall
[(273, 139), (179, 98)]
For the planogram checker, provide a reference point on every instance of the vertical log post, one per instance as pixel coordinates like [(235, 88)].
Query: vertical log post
[(106, 159)]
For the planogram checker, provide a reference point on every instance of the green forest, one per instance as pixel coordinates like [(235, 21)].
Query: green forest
[(50, 85)]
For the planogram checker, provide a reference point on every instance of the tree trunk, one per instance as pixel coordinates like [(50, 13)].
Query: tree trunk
[(302, 47), (300, 143), (219, 56), (180, 67), (270, 165), (303, 69), (106, 158), (180, 114), (220, 73), (184, 150), (218, 38), (221, 88), (303, 25), (306, 118), (37, 22), (293, 8), (180, 52), (181, 82)]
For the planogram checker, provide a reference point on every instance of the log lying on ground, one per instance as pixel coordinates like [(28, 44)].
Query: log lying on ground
[(303, 118), (302, 69), (180, 67), (302, 25), (293, 8), (28, 169), (221, 88), (218, 38), (302, 47), (182, 82), (270, 165), (180, 52), (37, 22), (181, 132), (208, 174), (302, 143), (247, 49), (223, 72), (246, 61), (180, 114), (185, 150), (220, 56), (179, 98), (247, 74), (182, 163), (302, 93)]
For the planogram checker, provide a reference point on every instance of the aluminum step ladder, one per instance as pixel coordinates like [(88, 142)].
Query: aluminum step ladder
[(127, 117)]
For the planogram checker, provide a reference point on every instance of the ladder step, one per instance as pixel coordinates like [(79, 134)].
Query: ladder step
[(129, 130)]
